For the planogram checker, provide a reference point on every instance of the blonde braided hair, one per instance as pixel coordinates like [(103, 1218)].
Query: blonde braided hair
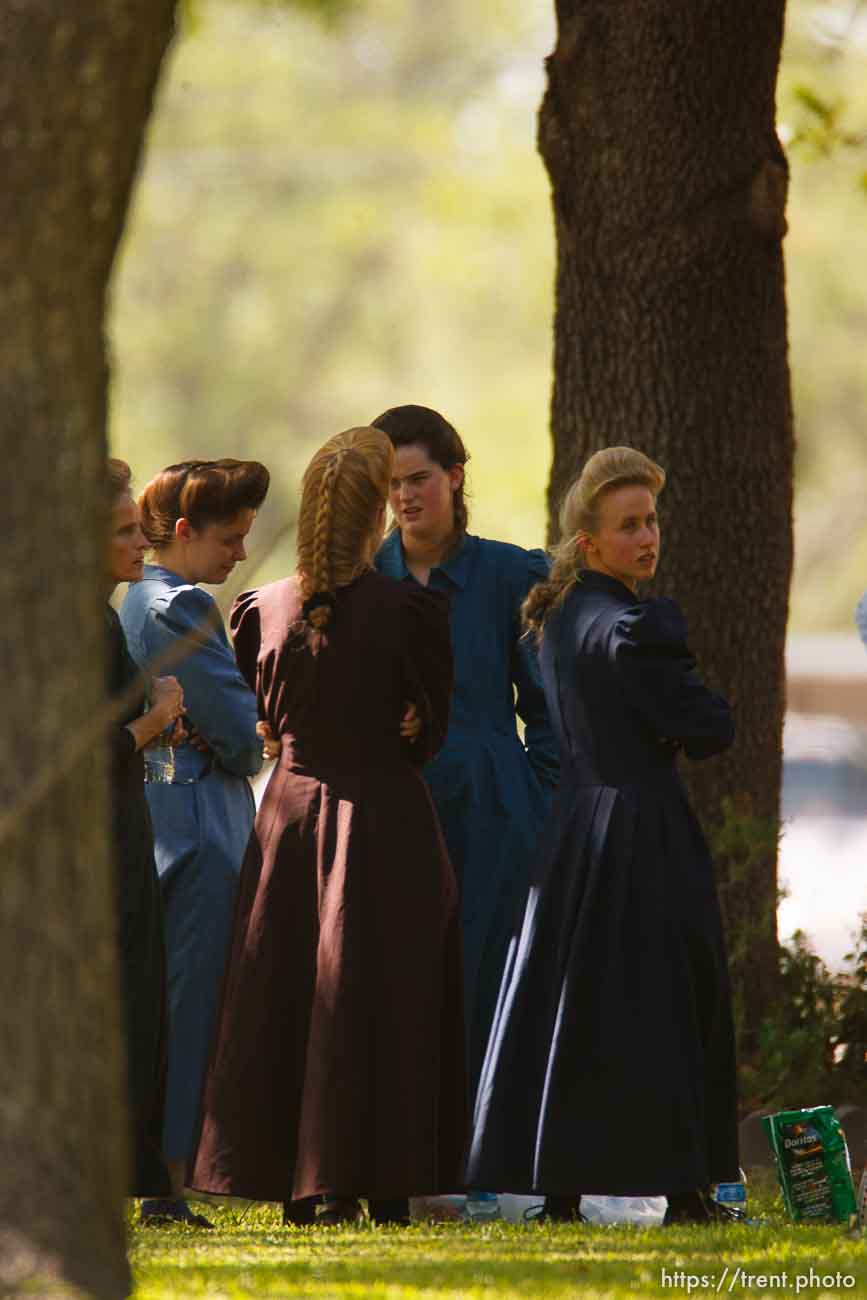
[(319, 575), (604, 472), (344, 488)]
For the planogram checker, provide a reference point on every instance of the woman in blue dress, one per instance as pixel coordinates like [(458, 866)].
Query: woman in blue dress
[(196, 516), (611, 1065), (490, 788)]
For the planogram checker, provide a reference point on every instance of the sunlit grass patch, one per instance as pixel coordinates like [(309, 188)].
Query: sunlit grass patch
[(250, 1254)]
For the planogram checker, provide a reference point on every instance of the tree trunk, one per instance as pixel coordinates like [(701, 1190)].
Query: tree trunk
[(669, 187), (76, 83)]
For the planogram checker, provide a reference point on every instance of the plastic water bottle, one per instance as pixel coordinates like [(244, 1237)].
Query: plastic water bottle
[(732, 1196), (483, 1207), (159, 760)]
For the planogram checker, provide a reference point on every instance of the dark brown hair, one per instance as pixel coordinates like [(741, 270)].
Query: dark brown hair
[(118, 477), (202, 491), (409, 425)]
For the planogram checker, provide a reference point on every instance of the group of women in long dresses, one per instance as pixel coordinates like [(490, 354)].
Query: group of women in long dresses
[(446, 953)]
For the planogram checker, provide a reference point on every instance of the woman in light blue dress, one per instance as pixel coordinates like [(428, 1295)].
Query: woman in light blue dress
[(491, 788), (196, 516)]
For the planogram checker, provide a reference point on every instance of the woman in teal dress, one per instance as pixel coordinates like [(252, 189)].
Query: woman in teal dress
[(196, 516), (490, 788)]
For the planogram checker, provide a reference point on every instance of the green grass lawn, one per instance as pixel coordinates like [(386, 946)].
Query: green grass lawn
[(252, 1254)]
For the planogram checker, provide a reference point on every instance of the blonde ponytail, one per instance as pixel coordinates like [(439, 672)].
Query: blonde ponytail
[(604, 472)]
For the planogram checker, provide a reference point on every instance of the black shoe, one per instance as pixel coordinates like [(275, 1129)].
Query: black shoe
[(556, 1209), (163, 1212), (697, 1206), (301, 1213), (338, 1211), (686, 1207), (393, 1210)]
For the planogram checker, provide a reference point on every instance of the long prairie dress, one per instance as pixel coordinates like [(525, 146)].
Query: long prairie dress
[(610, 1066), (490, 786), (338, 1064), (202, 822), (139, 927)]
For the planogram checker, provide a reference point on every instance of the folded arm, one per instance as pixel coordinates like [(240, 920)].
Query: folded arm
[(219, 702), (661, 681)]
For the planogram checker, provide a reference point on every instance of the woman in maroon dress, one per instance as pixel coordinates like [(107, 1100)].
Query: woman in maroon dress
[(338, 1069)]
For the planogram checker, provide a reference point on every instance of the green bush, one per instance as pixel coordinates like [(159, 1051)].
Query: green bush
[(812, 1044)]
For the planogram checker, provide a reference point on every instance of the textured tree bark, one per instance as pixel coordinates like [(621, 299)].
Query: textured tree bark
[(669, 186), (76, 83)]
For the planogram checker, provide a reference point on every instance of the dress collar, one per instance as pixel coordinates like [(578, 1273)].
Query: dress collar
[(593, 578), (456, 568), (157, 571)]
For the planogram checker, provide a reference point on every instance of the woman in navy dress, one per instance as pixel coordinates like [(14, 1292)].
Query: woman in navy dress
[(611, 1062), (196, 516), (139, 909), (491, 788), (338, 1066)]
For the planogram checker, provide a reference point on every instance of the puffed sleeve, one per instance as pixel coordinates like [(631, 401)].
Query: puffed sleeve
[(246, 628), (428, 667), (660, 680), (861, 617), (542, 748), (218, 701)]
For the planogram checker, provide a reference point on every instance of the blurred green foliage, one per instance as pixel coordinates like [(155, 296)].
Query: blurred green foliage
[(823, 115), (191, 12), (812, 1042), (335, 217)]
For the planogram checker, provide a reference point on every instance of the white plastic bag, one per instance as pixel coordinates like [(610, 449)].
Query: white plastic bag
[(645, 1211), (513, 1208)]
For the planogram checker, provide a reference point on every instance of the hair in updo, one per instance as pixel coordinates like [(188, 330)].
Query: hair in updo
[(410, 425), (605, 472), (344, 486), (202, 491), (118, 477)]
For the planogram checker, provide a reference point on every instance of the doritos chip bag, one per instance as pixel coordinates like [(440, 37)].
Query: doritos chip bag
[(812, 1161)]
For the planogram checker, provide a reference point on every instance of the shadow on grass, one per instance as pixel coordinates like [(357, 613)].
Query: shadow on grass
[(462, 1262)]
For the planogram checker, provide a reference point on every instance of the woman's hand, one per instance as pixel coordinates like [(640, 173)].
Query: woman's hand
[(167, 702), (270, 744), (410, 724), (179, 733), (196, 740), (166, 710)]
